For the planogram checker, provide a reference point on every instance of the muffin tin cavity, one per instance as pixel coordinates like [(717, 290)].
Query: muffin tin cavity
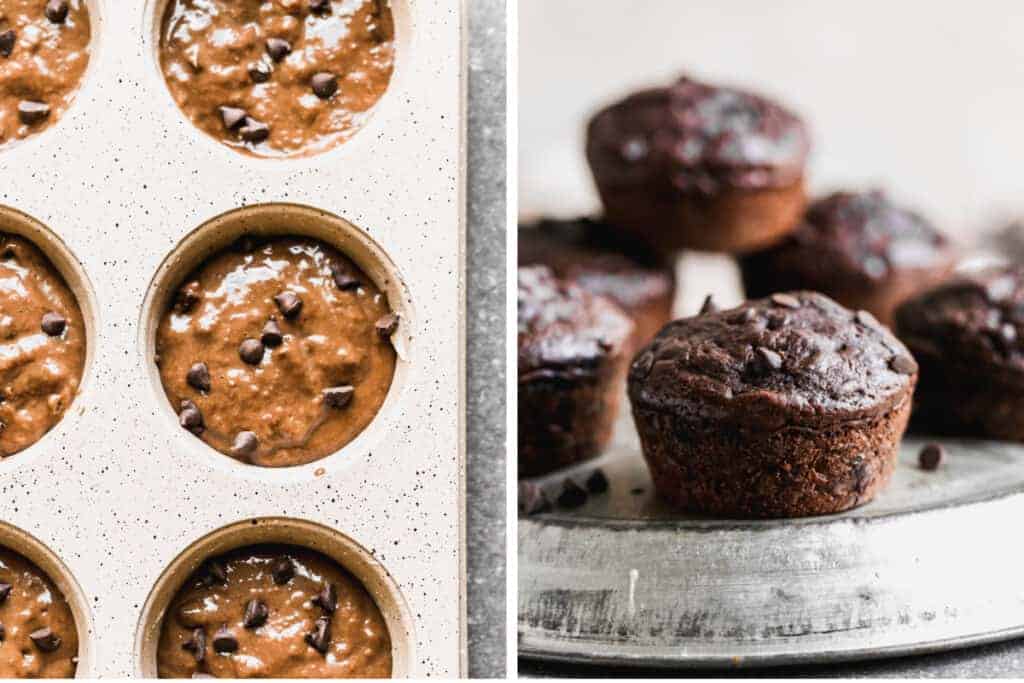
[(47, 336), (276, 536), (314, 365)]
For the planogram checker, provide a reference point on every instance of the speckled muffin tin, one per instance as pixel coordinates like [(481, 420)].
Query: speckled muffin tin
[(117, 503)]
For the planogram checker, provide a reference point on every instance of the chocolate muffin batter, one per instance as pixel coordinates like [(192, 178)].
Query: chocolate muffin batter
[(44, 50), (782, 407), (38, 636), (273, 611), (277, 352), (42, 345), (278, 77)]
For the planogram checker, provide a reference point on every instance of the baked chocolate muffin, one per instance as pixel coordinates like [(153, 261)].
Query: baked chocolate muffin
[(572, 361), (594, 256), (967, 336), (695, 166), (782, 407), (858, 248)]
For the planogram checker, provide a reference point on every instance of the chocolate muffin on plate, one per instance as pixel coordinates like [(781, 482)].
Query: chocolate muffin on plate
[(782, 407), (593, 255), (967, 336), (573, 350), (861, 249), (697, 166)]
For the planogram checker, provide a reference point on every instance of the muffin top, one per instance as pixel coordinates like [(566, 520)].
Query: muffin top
[(564, 331), (797, 358), (590, 253), (861, 235), (973, 321), (697, 137)]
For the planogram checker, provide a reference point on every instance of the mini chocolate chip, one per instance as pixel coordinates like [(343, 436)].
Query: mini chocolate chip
[(766, 360), (931, 456), (708, 306), (256, 614), (224, 640), (245, 443), (572, 495), (233, 117), (187, 298), (532, 499), (289, 304), (325, 84), (320, 638), (278, 48), (903, 364), (7, 40), (254, 131), (785, 300), (272, 335), (196, 644), (343, 277), (260, 72), (251, 351), (53, 324), (597, 482), (57, 11), (387, 325), (190, 418), (198, 377), (31, 112), (45, 639), (319, 6), (283, 569), (5, 592), (327, 599), (338, 397)]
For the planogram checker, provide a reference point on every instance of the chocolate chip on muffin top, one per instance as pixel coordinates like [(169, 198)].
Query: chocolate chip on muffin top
[(790, 358)]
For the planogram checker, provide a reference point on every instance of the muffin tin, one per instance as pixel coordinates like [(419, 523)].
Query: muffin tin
[(125, 196)]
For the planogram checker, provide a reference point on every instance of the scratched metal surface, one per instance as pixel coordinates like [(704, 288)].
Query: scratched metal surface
[(925, 567)]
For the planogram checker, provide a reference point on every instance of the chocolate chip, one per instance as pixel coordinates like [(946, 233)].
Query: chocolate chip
[(766, 360), (278, 48), (325, 84), (343, 277), (931, 456), (190, 418), (256, 614), (903, 364), (233, 117), (53, 324), (597, 482), (254, 131), (572, 495), (196, 644), (5, 592), (251, 351), (45, 639), (224, 640), (245, 443), (387, 325), (283, 569), (319, 6), (31, 112), (338, 397), (198, 377), (57, 11), (187, 298), (785, 300), (289, 304), (320, 638), (777, 322), (272, 336), (327, 599), (708, 306), (7, 40), (532, 499), (260, 72)]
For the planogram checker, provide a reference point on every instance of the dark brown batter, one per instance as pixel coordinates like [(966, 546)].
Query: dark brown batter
[(44, 50), (274, 611), (39, 638), (278, 77), (277, 353), (42, 345)]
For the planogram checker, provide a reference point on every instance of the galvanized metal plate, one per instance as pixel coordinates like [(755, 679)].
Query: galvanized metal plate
[(931, 564)]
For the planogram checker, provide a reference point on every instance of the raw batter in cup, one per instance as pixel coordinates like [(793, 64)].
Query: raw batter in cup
[(273, 611), (277, 77)]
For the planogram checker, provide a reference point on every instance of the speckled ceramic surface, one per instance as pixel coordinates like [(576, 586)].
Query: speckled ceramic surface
[(117, 491)]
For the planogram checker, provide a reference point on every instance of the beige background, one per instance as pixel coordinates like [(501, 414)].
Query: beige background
[(923, 98)]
